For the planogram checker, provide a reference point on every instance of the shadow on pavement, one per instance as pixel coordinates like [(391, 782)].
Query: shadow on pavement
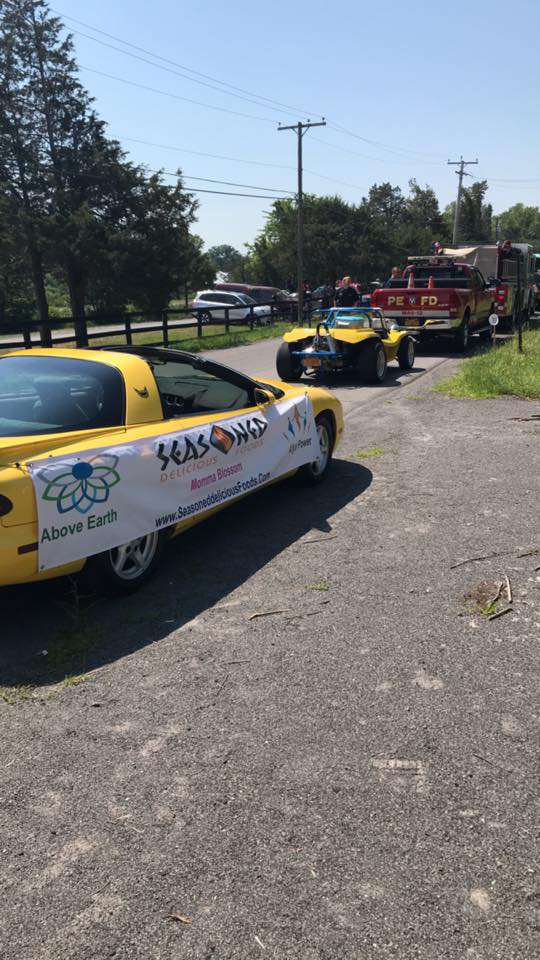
[(200, 568)]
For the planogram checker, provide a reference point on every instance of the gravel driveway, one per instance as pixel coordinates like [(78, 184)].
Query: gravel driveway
[(305, 739)]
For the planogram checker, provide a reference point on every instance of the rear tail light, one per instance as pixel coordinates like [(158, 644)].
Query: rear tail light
[(6, 505), (501, 294)]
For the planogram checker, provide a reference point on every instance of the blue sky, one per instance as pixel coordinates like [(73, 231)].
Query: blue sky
[(426, 81)]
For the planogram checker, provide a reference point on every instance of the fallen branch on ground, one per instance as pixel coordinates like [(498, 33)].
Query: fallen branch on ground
[(267, 613), (500, 613)]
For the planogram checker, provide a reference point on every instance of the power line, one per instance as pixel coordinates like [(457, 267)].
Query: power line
[(366, 156), (175, 96), (230, 183), (182, 66), (176, 73), (253, 97), (213, 156), (217, 156), (391, 148)]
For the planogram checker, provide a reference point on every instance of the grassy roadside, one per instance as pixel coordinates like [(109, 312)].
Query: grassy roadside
[(498, 371), (213, 337)]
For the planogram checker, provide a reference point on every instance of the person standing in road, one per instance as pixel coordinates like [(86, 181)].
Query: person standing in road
[(347, 295)]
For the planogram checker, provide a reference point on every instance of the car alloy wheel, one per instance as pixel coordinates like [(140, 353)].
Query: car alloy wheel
[(410, 353), (315, 472), (380, 364), (131, 560)]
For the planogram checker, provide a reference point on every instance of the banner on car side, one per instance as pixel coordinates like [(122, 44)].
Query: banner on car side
[(103, 497)]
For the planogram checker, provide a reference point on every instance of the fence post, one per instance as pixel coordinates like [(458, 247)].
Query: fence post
[(251, 319), (27, 338), (81, 332), (226, 319), (45, 338), (199, 324), (165, 329), (127, 324)]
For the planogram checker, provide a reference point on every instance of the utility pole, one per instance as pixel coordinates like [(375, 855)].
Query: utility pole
[(461, 163), (300, 129)]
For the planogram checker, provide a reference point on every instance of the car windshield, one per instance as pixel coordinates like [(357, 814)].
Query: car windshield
[(355, 321), (243, 297), (46, 394)]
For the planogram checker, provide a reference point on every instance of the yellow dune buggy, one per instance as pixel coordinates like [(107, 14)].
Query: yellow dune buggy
[(355, 339)]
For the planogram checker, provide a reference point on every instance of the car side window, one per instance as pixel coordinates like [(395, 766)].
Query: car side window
[(186, 390)]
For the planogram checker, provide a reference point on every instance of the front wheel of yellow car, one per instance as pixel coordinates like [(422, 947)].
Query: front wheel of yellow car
[(289, 370), (405, 354), (315, 472), (126, 567), (371, 362)]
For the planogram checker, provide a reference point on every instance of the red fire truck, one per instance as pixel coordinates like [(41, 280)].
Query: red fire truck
[(509, 269)]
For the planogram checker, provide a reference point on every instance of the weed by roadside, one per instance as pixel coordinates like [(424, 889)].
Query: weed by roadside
[(371, 453), (498, 371)]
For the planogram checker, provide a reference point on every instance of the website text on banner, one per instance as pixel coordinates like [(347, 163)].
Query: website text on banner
[(98, 499)]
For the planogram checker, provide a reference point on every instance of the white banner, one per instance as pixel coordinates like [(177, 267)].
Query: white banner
[(103, 497)]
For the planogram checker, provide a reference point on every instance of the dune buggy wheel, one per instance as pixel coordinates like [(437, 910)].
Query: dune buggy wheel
[(405, 353), (371, 362), (315, 472), (288, 369), (125, 568)]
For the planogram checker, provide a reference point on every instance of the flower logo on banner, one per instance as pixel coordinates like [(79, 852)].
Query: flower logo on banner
[(83, 485)]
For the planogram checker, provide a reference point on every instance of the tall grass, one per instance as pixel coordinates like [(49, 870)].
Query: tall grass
[(499, 371)]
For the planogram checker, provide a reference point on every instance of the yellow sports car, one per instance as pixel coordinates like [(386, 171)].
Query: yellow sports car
[(105, 454)]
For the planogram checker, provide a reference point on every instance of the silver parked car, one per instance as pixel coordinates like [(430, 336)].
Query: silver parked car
[(210, 305)]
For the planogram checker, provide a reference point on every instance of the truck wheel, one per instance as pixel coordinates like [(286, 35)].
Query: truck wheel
[(461, 336), (371, 362), (288, 369), (314, 473), (405, 353), (126, 567)]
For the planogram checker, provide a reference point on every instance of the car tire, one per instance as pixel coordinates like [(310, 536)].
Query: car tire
[(405, 354), (126, 567), (371, 362), (315, 472), (205, 317), (287, 369), (461, 335)]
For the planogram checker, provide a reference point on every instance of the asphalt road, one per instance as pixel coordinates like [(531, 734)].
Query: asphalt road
[(305, 738), (259, 361)]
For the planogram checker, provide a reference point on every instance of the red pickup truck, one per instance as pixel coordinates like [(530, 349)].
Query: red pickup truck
[(438, 297)]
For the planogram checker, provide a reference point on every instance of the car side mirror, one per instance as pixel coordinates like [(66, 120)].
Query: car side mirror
[(262, 397)]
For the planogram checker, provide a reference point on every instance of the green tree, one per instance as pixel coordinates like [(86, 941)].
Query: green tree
[(226, 259), (520, 223), (475, 216)]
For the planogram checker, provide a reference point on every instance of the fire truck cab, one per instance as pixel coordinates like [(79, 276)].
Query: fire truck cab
[(509, 268)]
